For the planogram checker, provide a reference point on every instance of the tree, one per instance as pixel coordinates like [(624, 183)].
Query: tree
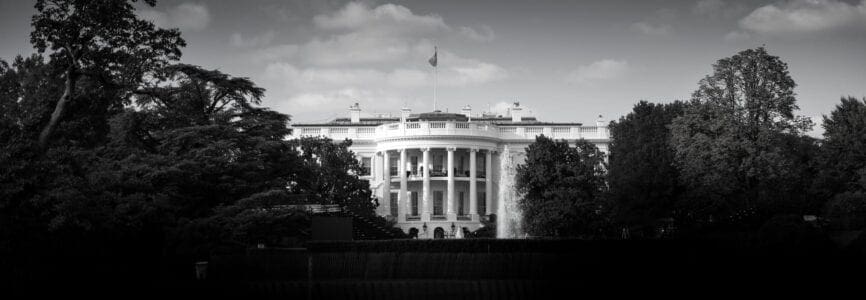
[(843, 150), (330, 175), (101, 40), (644, 180), (730, 144), (841, 165), (561, 188), (188, 93)]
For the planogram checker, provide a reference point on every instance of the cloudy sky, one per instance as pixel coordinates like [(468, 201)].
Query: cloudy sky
[(564, 61)]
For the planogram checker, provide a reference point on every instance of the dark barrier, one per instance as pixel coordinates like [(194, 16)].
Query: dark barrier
[(521, 269)]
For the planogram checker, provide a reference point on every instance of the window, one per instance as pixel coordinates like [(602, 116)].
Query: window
[(482, 203), (437, 203), (366, 164), (393, 167), (461, 207), (414, 167), (393, 201), (437, 163), (414, 198)]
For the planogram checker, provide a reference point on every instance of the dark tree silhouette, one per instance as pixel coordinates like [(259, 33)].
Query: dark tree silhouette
[(561, 188), (644, 181), (103, 40), (732, 144)]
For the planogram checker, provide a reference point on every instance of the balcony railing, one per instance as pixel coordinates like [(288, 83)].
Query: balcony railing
[(456, 128), (425, 128)]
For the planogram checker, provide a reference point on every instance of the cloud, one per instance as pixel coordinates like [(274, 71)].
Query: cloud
[(368, 54), (484, 34), (652, 30), (186, 16), (605, 69), (656, 24), (805, 17), (324, 78), (386, 19), (737, 36), (334, 102), (717, 9), (477, 73), (708, 7), (263, 39)]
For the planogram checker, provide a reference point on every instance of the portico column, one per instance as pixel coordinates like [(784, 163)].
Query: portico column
[(452, 216), (404, 197), (488, 182), (425, 173), (386, 177), (473, 185)]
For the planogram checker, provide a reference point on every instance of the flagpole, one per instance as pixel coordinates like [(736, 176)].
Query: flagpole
[(435, 82)]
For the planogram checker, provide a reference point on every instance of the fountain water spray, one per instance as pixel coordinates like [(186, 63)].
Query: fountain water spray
[(508, 215)]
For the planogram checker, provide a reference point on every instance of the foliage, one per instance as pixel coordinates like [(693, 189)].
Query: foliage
[(561, 188), (847, 211), (644, 181), (186, 93), (324, 177), (732, 144), (190, 167), (842, 160), (487, 230), (103, 41)]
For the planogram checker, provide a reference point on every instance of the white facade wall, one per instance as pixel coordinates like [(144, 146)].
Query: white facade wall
[(438, 137)]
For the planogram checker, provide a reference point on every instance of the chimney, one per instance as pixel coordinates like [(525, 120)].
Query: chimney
[(404, 114), (600, 121), (466, 111), (355, 113), (516, 112)]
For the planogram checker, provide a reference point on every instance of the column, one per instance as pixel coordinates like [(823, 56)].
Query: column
[(404, 197), (488, 183), (473, 185), (427, 203), (386, 177), (373, 174), (452, 214)]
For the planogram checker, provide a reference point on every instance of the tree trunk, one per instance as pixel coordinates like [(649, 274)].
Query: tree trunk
[(59, 108)]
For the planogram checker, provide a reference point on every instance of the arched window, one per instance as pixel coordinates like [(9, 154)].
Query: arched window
[(439, 233)]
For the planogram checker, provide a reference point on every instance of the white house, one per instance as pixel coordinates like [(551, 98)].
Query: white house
[(436, 172)]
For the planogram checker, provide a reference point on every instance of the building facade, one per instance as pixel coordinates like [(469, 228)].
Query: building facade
[(438, 174)]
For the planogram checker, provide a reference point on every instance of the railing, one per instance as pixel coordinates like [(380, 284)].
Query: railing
[(437, 128), (476, 129)]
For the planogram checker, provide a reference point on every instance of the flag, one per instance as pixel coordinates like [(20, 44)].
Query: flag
[(433, 60)]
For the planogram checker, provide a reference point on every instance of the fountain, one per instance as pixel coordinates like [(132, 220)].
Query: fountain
[(508, 216)]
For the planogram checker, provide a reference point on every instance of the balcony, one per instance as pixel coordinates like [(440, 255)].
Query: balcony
[(453, 128), (442, 128)]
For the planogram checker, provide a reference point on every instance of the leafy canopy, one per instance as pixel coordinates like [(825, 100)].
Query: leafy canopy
[(733, 145), (560, 187)]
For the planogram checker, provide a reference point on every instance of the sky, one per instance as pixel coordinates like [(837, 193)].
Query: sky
[(564, 61)]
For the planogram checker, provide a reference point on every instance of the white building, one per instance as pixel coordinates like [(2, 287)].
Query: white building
[(434, 172)]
